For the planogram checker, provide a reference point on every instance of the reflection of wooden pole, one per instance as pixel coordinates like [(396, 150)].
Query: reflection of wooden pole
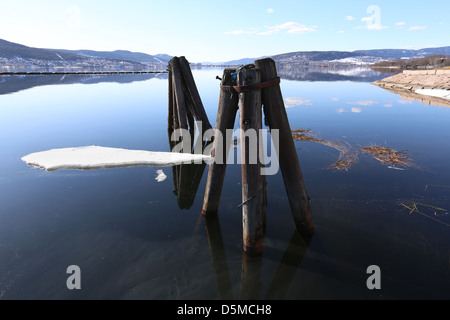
[(189, 180), (218, 257), (275, 112), (253, 182), (226, 116), (250, 277), (287, 269)]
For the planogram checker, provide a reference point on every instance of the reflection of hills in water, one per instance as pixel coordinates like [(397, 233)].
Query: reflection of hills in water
[(15, 83), (10, 84), (328, 73)]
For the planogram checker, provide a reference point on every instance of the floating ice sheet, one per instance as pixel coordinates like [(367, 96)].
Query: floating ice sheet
[(435, 93), (161, 176), (94, 157)]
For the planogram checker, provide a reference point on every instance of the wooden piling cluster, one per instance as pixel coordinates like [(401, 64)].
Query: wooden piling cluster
[(248, 89), (185, 104)]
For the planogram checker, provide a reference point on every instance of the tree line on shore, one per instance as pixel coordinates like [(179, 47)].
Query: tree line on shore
[(430, 62)]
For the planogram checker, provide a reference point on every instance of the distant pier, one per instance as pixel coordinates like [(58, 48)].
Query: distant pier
[(33, 73)]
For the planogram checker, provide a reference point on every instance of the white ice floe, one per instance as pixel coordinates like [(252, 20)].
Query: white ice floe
[(435, 93), (94, 157), (161, 176)]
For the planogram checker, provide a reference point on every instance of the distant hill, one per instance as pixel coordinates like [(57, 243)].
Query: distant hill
[(234, 62), (347, 57), (309, 56), (14, 51), (392, 54), (123, 55)]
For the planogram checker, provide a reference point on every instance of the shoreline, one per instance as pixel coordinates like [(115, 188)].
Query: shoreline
[(431, 87)]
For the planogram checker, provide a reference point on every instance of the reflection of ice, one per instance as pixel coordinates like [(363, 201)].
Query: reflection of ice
[(161, 176), (94, 157), (363, 103)]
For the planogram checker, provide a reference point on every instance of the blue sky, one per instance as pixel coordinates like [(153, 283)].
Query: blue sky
[(225, 30)]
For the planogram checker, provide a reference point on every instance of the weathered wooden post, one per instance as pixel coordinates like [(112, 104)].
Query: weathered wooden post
[(198, 109), (253, 182), (275, 113), (170, 117), (177, 85), (226, 116)]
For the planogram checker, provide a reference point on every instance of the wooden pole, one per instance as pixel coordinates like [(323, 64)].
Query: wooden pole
[(176, 122), (190, 117), (177, 84), (226, 116), (253, 182), (199, 110), (275, 112), (170, 101)]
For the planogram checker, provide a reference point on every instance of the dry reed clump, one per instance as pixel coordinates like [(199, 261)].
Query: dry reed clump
[(347, 155), (389, 156)]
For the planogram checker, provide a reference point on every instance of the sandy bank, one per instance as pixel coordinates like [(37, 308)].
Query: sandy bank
[(427, 86)]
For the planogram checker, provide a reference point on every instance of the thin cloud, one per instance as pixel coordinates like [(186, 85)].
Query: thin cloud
[(417, 28), (371, 27), (270, 11), (399, 24), (356, 110), (288, 27), (341, 31), (349, 18)]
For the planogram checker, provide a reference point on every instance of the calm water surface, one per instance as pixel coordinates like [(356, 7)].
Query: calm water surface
[(136, 238)]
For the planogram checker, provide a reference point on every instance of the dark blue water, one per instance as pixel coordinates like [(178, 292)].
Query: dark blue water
[(136, 238)]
